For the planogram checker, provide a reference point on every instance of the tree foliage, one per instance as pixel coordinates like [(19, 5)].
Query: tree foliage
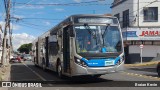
[(25, 48)]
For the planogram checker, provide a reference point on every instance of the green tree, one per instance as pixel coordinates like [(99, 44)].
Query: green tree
[(25, 48)]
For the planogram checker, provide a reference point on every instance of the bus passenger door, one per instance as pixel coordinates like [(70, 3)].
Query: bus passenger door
[(46, 53), (66, 49), (36, 53)]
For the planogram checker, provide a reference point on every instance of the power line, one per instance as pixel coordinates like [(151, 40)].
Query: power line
[(29, 2), (29, 26), (75, 4), (36, 18), (64, 4), (5, 5)]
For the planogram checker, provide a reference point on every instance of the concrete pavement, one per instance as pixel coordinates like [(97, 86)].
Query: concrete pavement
[(25, 71)]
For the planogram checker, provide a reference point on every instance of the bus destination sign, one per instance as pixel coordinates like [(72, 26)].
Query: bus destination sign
[(96, 20)]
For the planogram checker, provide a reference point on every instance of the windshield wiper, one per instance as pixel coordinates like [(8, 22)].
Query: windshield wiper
[(88, 28), (90, 31), (103, 35)]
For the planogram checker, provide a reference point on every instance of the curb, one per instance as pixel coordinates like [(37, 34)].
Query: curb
[(143, 64), (144, 76)]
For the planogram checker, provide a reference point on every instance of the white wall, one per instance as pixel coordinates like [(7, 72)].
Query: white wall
[(122, 7), (148, 50), (132, 5), (155, 4)]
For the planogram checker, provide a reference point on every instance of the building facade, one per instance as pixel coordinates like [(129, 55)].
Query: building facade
[(140, 22)]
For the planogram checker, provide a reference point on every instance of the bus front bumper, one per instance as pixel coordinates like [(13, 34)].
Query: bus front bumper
[(79, 70)]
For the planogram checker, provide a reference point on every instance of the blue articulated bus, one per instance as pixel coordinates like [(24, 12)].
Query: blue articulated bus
[(81, 45)]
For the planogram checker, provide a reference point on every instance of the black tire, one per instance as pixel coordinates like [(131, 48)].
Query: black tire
[(158, 69), (44, 67), (158, 72), (35, 64), (59, 70), (96, 76)]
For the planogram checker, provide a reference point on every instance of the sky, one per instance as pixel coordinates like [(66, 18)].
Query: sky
[(31, 18)]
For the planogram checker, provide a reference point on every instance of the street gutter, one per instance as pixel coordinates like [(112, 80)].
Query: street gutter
[(143, 64)]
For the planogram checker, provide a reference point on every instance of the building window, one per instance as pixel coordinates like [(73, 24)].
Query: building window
[(117, 15), (126, 18), (150, 14)]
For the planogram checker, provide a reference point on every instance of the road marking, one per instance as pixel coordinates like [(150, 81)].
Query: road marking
[(37, 74), (140, 75)]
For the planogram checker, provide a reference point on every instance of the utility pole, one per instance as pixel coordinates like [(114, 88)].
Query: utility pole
[(1, 28), (138, 13), (10, 39), (1, 31), (7, 26)]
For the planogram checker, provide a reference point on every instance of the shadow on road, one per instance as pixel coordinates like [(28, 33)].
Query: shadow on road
[(20, 72)]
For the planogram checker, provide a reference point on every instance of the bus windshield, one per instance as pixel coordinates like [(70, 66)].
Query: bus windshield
[(98, 39)]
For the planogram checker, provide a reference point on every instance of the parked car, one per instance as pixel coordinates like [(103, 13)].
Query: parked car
[(27, 57), (22, 56), (158, 69), (15, 59)]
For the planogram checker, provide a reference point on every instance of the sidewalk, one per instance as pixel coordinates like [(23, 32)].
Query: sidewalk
[(5, 74), (143, 64)]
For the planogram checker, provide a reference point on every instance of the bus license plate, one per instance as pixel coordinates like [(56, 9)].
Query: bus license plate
[(107, 63)]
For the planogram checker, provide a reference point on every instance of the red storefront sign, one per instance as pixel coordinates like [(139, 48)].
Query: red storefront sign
[(150, 33)]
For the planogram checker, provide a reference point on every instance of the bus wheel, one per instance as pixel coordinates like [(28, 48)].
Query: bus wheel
[(43, 64), (159, 72), (96, 76), (44, 67), (35, 64), (59, 70)]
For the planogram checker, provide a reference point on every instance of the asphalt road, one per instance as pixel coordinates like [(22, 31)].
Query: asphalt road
[(26, 71)]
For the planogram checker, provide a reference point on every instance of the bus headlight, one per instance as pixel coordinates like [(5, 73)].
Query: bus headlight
[(120, 60), (80, 62)]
